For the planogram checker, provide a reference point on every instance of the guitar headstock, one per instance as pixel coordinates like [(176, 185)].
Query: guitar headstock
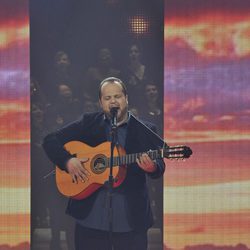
[(177, 152)]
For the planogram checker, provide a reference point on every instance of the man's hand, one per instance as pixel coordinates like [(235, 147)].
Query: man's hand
[(76, 169), (146, 163)]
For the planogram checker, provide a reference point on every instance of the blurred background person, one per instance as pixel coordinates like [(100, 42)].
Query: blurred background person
[(95, 74), (64, 109), (135, 75), (37, 96), (152, 110), (62, 71)]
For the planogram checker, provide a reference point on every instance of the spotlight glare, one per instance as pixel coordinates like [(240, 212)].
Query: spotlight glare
[(139, 25)]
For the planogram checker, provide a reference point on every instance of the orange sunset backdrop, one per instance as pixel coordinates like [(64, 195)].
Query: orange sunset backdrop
[(206, 102), (207, 61), (14, 125)]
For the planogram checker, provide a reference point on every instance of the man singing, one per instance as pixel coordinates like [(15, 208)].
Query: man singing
[(132, 216)]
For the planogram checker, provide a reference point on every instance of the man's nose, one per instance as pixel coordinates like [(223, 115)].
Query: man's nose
[(112, 100)]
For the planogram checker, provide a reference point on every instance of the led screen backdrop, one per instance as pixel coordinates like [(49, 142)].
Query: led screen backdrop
[(14, 125), (207, 91), (207, 59)]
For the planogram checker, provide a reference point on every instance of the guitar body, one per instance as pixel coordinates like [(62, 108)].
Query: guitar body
[(96, 166)]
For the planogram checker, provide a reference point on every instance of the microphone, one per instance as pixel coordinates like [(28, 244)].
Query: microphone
[(113, 112)]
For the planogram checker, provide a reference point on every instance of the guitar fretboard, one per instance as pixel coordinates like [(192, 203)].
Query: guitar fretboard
[(131, 158)]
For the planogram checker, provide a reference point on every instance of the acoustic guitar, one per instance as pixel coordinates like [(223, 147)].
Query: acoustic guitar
[(99, 162)]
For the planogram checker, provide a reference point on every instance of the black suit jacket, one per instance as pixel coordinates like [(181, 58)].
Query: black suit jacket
[(91, 130)]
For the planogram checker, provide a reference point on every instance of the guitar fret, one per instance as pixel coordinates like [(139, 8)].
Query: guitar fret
[(138, 155), (157, 154), (150, 153), (131, 158), (154, 155)]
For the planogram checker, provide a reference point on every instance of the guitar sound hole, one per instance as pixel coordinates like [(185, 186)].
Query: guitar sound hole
[(98, 165)]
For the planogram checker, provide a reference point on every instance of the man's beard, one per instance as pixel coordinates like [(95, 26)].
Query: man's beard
[(121, 114)]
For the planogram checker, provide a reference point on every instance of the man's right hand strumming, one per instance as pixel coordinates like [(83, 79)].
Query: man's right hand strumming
[(76, 169)]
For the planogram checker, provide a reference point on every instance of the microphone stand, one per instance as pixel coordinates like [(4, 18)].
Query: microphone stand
[(113, 112)]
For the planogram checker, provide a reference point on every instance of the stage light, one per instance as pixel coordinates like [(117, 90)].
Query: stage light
[(139, 25)]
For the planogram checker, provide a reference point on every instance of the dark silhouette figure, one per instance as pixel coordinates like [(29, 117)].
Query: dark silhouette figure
[(94, 75), (152, 110), (61, 72), (135, 74)]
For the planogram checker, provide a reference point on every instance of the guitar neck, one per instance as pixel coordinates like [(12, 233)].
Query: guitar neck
[(131, 158)]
